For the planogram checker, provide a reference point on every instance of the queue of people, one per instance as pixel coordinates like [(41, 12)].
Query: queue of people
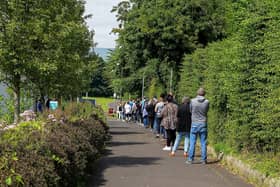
[(171, 121)]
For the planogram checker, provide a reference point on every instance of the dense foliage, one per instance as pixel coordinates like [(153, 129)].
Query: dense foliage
[(241, 75), (46, 153), (99, 85), (44, 46), (154, 35)]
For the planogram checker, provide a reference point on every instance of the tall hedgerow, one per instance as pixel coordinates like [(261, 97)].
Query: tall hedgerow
[(193, 73), (241, 75)]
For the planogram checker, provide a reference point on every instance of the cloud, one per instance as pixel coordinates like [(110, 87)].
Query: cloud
[(102, 21)]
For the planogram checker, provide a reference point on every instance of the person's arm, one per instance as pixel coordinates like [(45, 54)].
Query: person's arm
[(156, 107), (164, 111), (207, 108)]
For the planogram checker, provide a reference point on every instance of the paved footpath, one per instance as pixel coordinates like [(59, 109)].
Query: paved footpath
[(135, 159)]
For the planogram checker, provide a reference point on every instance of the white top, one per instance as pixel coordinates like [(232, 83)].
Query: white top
[(127, 109)]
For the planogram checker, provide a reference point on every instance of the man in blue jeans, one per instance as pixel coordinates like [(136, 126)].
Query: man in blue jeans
[(199, 107)]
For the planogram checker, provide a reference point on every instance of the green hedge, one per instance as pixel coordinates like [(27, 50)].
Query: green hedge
[(46, 153), (241, 75)]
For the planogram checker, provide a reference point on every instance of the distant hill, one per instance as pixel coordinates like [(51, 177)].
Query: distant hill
[(103, 52)]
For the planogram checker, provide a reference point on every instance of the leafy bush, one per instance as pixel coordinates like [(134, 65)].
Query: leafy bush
[(46, 153), (241, 76)]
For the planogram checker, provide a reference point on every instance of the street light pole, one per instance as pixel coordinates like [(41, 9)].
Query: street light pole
[(121, 83), (171, 77), (118, 64), (143, 82)]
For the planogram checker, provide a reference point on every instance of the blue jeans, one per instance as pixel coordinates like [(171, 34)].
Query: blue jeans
[(163, 132), (157, 125), (146, 121), (178, 140), (198, 129)]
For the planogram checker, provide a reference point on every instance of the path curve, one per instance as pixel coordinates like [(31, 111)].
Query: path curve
[(135, 159)]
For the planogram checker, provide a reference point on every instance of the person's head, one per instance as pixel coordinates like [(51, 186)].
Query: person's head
[(169, 98), (161, 97), (185, 99), (201, 92)]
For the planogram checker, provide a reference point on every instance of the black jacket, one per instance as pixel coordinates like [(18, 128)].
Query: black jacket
[(150, 109), (184, 118)]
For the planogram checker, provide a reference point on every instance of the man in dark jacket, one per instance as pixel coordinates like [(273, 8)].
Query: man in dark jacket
[(151, 113), (183, 126)]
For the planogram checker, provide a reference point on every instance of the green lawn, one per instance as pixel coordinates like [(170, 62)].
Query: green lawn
[(102, 101)]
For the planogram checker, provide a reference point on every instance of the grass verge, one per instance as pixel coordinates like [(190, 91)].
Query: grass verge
[(265, 163), (102, 101)]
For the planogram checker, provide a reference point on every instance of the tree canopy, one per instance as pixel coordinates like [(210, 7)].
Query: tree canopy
[(45, 44), (154, 35)]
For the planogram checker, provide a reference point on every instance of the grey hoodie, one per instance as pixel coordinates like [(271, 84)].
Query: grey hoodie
[(199, 107)]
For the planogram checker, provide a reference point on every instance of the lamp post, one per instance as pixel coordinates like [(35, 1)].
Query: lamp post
[(121, 74), (171, 77), (143, 85)]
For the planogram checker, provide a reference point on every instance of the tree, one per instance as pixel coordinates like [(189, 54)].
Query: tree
[(99, 85), (41, 40), (154, 35)]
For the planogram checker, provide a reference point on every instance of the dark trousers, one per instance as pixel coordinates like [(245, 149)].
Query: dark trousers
[(151, 121), (171, 137)]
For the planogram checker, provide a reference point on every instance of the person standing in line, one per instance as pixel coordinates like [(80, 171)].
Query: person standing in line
[(158, 108), (133, 111), (183, 126), (151, 112), (142, 108), (169, 122), (120, 111), (127, 109), (138, 111), (145, 117), (199, 108)]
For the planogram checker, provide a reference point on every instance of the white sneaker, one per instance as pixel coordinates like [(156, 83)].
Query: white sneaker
[(166, 148)]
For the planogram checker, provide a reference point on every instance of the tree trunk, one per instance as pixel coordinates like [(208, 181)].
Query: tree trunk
[(16, 91), (42, 99), (35, 105)]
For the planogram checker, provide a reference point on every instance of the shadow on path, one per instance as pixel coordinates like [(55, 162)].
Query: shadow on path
[(125, 143), (134, 158), (119, 127), (124, 132), (120, 162)]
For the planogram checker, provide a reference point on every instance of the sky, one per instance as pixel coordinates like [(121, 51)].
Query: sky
[(102, 21)]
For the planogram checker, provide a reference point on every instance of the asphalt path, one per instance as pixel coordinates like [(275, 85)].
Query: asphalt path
[(135, 158)]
